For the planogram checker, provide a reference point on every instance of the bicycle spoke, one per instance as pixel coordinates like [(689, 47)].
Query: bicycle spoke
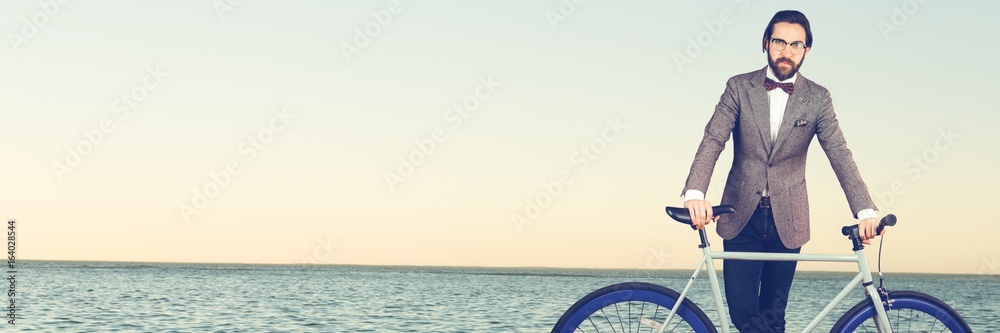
[(619, 318), (594, 325), (897, 317), (629, 316), (909, 324), (655, 311), (675, 326), (613, 312), (914, 320), (638, 324), (609, 321), (619, 315)]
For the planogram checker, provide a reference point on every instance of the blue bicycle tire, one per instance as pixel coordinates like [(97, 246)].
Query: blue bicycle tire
[(628, 293), (904, 303)]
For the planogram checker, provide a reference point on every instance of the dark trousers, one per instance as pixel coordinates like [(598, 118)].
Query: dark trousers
[(757, 291)]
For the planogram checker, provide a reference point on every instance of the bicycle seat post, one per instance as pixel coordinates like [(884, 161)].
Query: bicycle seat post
[(704, 239)]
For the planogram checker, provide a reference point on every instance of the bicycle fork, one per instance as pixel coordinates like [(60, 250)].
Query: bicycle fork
[(881, 318)]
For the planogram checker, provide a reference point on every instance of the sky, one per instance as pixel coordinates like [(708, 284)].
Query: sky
[(469, 133)]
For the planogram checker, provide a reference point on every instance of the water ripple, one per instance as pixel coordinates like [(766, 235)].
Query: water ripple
[(123, 297)]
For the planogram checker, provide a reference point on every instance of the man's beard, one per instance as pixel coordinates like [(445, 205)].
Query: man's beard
[(777, 70)]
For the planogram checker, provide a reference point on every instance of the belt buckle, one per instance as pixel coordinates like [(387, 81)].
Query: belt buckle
[(765, 202)]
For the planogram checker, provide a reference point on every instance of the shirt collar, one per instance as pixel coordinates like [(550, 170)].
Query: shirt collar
[(770, 75)]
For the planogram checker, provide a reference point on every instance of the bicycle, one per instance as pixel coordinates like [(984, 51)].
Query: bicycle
[(894, 311)]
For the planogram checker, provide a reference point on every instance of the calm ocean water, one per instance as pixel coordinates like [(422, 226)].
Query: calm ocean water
[(130, 297)]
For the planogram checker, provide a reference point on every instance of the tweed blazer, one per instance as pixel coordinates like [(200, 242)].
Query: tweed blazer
[(744, 113)]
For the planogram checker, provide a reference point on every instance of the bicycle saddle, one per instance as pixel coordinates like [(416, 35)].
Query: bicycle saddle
[(680, 214)]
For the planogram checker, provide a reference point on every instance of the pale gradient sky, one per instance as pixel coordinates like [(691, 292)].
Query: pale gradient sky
[(321, 180)]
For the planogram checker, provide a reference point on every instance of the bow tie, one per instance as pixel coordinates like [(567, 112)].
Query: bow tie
[(770, 85)]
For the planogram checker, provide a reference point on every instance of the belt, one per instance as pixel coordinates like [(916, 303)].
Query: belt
[(765, 202)]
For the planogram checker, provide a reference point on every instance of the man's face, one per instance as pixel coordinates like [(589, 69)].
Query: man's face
[(786, 62)]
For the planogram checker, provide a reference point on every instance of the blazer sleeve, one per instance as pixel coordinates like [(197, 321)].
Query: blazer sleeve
[(717, 133), (831, 138)]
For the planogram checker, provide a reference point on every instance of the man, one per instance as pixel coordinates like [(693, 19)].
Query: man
[(772, 115)]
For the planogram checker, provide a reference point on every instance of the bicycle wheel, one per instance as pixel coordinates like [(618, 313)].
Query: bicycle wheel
[(911, 312), (632, 307)]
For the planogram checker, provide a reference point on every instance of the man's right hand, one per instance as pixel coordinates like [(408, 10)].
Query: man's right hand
[(700, 212)]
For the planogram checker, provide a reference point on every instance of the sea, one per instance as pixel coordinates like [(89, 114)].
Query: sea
[(58, 296)]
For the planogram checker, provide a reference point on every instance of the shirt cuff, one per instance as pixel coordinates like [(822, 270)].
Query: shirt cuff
[(693, 195), (866, 214)]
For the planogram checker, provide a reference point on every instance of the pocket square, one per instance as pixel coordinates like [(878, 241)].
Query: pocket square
[(801, 123)]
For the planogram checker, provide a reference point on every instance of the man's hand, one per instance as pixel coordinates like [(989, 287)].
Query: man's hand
[(867, 229), (701, 212)]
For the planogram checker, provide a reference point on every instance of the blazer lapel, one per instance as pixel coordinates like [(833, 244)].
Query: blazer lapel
[(794, 110), (761, 109)]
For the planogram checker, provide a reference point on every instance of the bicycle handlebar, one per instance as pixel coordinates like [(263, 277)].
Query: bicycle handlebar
[(887, 221), (851, 231), (682, 215)]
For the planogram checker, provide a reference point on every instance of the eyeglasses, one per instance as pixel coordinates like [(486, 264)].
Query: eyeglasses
[(779, 45)]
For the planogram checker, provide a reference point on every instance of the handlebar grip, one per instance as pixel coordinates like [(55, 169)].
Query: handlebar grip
[(887, 221)]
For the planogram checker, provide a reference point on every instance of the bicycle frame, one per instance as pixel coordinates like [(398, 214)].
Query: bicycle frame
[(864, 277)]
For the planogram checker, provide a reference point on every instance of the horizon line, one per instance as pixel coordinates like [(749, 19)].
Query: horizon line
[(451, 266)]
